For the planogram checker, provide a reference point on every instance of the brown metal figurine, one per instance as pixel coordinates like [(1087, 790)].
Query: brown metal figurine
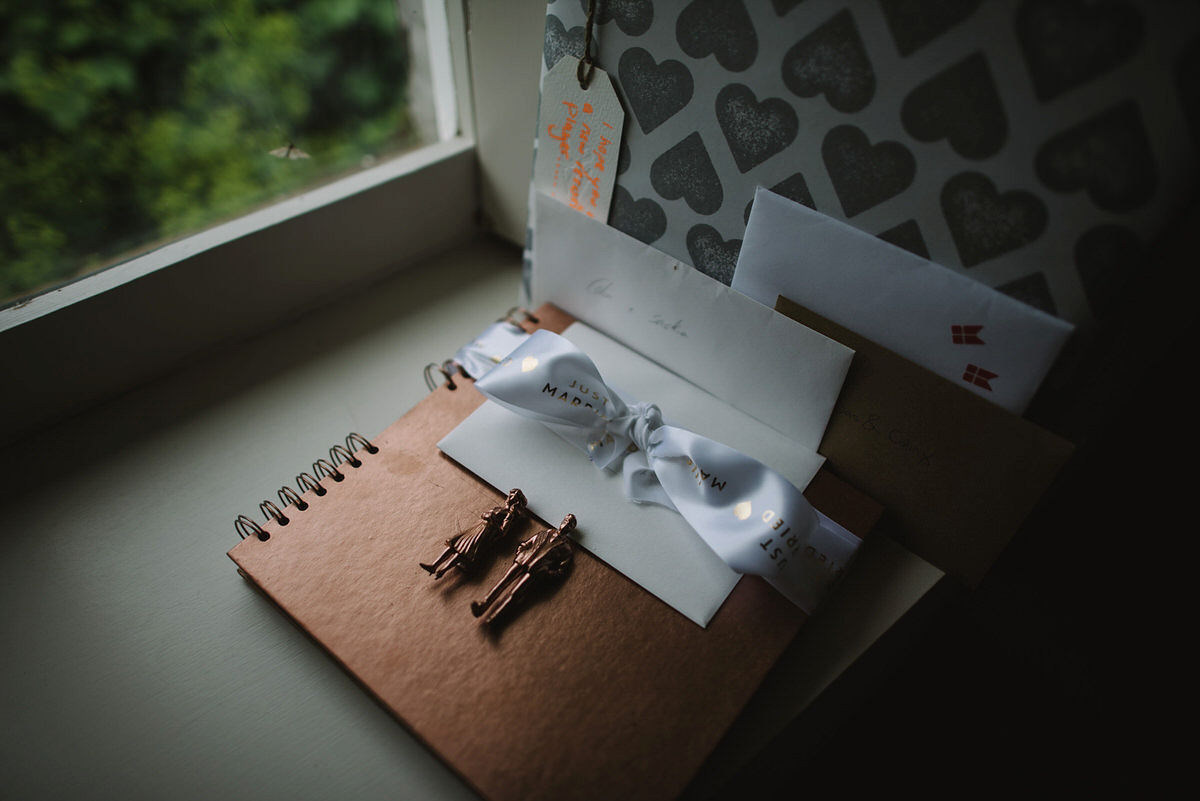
[(546, 555), (465, 547)]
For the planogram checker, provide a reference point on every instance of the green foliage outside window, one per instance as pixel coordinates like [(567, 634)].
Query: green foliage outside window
[(131, 122)]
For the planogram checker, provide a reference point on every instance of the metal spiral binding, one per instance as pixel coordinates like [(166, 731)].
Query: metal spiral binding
[(287, 496), (511, 316), (340, 453), (324, 467), (362, 442), (245, 527), (272, 512), (449, 368), (307, 482)]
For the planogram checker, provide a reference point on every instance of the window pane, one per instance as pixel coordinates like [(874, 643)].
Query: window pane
[(128, 123)]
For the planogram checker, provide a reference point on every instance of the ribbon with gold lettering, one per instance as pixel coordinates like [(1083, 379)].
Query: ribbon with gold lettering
[(487, 350), (750, 515)]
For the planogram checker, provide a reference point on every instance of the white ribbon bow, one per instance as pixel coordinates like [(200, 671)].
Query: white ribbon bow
[(488, 349), (750, 515)]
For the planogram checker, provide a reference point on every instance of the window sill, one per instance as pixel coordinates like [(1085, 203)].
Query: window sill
[(132, 631), (72, 348)]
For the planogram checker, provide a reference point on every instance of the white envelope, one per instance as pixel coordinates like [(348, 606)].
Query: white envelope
[(763, 363), (995, 345), (649, 544), (715, 362)]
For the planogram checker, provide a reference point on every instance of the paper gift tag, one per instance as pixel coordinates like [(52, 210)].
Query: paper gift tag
[(579, 137)]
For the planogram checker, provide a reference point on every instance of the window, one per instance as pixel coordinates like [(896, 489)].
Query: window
[(133, 124), (87, 340)]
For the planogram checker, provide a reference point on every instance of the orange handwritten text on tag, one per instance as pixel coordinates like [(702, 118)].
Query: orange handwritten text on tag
[(582, 156), (578, 140)]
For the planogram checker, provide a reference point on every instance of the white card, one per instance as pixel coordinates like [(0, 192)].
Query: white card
[(996, 346), (768, 366), (651, 545)]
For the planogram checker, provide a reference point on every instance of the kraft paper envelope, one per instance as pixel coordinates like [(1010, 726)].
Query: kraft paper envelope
[(957, 473)]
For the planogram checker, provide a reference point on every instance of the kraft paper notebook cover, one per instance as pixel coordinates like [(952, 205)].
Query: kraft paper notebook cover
[(595, 690)]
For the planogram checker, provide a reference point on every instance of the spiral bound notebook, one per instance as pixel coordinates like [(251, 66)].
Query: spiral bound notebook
[(596, 690)]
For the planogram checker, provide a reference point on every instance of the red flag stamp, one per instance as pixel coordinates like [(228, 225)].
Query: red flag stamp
[(966, 334), (978, 376)]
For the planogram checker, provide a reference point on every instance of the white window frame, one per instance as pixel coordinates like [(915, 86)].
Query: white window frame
[(89, 341)]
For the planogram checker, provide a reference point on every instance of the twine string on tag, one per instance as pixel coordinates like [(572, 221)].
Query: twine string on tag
[(587, 63)]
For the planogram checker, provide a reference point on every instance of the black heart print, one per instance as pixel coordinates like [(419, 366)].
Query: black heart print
[(721, 28), (755, 131), (831, 61), (907, 235), (1108, 155), (643, 219), (633, 17), (794, 187), (560, 42), (914, 25), (711, 254), (686, 171), (984, 223), (656, 92), (1032, 290), (961, 105), (1067, 43), (865, 175)]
